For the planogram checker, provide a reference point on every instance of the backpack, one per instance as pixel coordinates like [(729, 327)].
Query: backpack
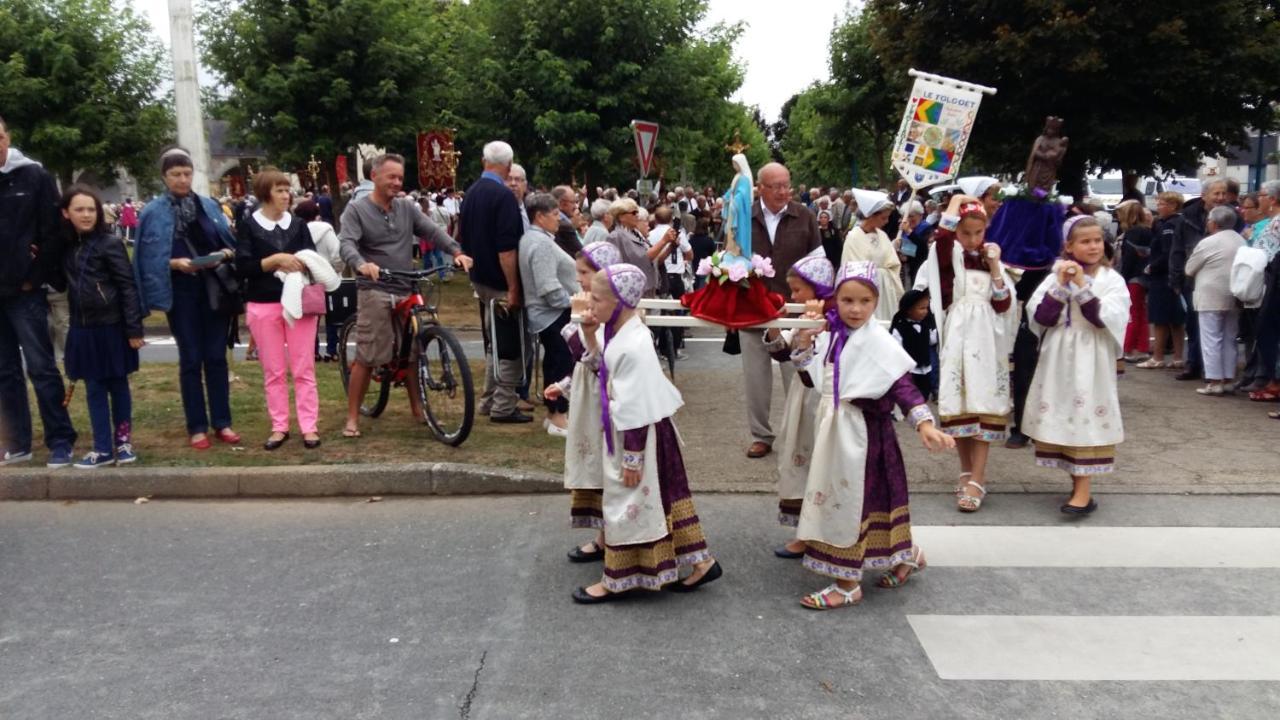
[(1248, 276)]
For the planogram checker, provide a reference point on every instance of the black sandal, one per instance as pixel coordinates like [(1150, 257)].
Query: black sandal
[(577, 555), (713, 573), (582, 597)]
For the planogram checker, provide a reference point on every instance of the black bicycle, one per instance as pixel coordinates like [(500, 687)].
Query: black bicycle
[(425, 347)]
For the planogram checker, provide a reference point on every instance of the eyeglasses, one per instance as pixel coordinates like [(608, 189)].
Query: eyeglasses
[(631, 212), (777, 187)]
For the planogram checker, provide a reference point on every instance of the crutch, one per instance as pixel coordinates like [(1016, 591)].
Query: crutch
[(493, 338)]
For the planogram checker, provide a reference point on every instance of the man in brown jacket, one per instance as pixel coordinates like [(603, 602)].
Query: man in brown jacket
[(784, 231)]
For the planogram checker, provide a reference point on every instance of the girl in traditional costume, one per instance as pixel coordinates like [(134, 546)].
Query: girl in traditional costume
[(811, 281), (867, 241), (651, 528), (970, 294), (1073, 409), (856, 513), (583, 458)]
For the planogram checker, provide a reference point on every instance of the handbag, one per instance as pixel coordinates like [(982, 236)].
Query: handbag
[(732, 343), (221, 286), (313, 300)]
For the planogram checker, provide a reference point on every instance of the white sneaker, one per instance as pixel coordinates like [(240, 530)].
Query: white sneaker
[(13, 458), (557, 431)]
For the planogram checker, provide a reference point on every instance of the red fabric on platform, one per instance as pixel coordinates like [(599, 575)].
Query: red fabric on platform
[(734, 306)]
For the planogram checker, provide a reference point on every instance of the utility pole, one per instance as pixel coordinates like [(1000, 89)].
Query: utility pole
[(186, 92)]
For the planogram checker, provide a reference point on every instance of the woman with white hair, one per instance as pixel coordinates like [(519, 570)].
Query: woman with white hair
[(1210, 265), (868, 241), (913, 237)]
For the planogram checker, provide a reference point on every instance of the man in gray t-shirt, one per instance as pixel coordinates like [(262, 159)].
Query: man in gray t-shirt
[(378, 231)]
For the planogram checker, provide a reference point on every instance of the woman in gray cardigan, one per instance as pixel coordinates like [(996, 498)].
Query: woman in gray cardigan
[(549, 279), (1218, 311)]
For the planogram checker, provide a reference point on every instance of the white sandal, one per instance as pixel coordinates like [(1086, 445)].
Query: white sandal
[(971, 503), (818, 600), (961, 481)]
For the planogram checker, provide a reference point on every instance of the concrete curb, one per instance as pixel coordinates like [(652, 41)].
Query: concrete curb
[(300, 481), (282, 481)]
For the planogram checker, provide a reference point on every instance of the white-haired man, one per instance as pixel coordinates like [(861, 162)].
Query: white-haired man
[(784, 231), (490, 233), (601, 222)]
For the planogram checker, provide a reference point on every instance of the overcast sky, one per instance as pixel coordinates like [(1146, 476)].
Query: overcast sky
[(783, 49)]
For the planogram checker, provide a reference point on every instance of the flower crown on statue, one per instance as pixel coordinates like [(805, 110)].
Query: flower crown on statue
[(726, 267)]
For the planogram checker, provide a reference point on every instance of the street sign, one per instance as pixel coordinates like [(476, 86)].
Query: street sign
[(646, 135), (644, 187)]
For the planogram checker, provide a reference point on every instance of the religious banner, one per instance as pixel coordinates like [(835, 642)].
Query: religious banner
[(437, 160), (935, 128), (340, 168)]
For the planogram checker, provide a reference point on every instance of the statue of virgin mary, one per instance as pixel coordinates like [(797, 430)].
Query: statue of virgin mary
[(737, 210)]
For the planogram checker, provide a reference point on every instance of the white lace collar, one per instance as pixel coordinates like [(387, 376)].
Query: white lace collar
[(284, 222)]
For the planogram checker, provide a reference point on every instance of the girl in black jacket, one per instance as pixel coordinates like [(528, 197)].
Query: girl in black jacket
[(106, 326)]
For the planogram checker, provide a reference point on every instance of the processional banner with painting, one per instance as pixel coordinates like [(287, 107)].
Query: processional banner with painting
[(437, 163), (935, 129)]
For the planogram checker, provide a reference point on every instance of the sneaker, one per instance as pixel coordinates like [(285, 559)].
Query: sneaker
[(12, 457), (124, 454), (557, 431), (94, 460), (60, 457), (516, 417), (682, 355)]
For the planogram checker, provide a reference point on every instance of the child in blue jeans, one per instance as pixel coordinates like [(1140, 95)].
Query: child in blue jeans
[(106, 326)]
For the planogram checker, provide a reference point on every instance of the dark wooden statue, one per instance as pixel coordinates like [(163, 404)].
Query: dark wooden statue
[(1046, 157)]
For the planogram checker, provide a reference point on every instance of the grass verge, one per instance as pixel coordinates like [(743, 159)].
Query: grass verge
[(160, 436)]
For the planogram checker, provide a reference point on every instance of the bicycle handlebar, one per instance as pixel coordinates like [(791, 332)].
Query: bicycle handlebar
[(385, 274)]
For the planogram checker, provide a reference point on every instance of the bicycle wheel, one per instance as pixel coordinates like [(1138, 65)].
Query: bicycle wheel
[(444, 382), (379, 391)]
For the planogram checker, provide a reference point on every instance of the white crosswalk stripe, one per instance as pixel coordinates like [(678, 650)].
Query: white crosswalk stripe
[(1131, 645), (1039, 647), (1090, 546)]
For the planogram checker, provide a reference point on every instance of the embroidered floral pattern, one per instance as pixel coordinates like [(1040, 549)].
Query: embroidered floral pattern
[(815, 270), (602, 254), (628, 283)]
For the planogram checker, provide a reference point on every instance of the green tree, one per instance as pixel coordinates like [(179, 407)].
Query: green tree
[(78, 84), (814, 151), (1140, 85), (321, 76), (562, 81), (865, 99)]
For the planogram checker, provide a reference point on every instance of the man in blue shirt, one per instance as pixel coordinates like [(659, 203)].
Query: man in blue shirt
[(489, 232)]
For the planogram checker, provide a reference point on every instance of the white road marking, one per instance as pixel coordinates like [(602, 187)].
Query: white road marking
[(1092, 546), (1092, 648)]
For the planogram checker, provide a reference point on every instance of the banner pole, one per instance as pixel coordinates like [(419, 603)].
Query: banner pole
[(942, 80)]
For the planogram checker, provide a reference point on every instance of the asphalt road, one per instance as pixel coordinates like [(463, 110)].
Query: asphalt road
[(459, 608)]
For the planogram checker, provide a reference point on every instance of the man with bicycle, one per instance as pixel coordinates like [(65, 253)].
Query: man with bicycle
[(378, 231)]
